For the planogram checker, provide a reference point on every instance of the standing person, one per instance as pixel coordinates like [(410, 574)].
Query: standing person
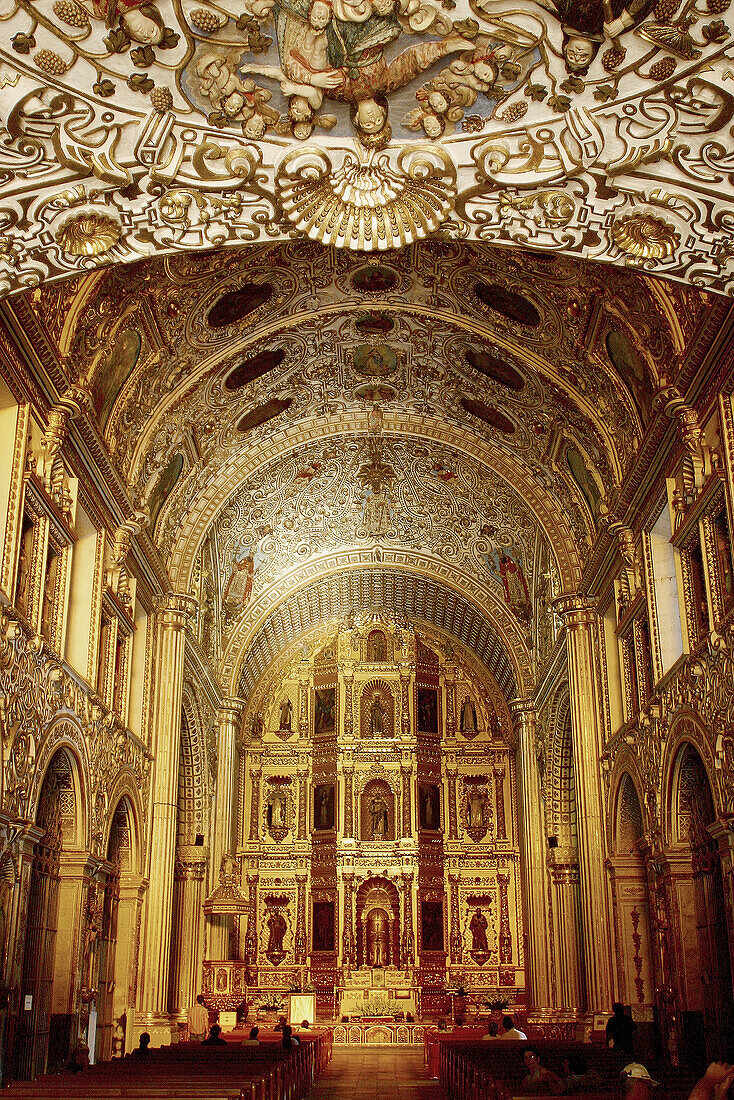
[(509, 1031), (198, 1020), (620, 1031)]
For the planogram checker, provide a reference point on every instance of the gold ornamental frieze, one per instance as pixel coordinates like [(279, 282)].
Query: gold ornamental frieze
[(363, 123)]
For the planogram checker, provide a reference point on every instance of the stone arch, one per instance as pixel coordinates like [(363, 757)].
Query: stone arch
[(193, 778), (687, 729), (125, 794), (628, 825), (66, 736)]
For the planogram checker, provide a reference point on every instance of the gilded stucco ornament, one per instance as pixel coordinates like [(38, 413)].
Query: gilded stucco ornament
[(182, 119), (88, 233), (370, 206), (645, 237)]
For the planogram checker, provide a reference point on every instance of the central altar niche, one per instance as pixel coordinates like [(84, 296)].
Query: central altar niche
[(378, 924)]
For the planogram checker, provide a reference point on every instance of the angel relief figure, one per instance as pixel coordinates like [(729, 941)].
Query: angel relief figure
[(336, 50)]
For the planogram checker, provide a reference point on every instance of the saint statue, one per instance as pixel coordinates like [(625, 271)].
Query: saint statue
[(286, 713), (478, 929), (276, 812), (378, 948), (476, 810), (378, 818), (277, 929), (377, 717), (468, 717)]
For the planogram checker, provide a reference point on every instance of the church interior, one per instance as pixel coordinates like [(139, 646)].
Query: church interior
[(367, 477)]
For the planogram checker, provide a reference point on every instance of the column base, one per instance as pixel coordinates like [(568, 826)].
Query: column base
[(163, 1030)]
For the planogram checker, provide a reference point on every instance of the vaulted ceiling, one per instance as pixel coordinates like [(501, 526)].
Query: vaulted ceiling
[(438, 431)]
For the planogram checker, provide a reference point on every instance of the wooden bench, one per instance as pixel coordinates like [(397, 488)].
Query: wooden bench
[(194, 1071)]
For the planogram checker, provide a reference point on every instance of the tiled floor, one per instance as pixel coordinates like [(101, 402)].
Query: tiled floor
[(377, 1073)]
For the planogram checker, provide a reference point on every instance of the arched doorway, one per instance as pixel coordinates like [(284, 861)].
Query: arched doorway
[(47, 1010), (707, 999), (104, 931), (632, 910), (378, 924)]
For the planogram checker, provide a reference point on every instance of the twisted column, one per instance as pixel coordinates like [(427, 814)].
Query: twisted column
[(348, 944), (456, 943), (499, 801), (408, 944), (225, 801), (255, 774), (348, 704), (587, 733), (503, 881), (300, 940), (453, 823), (303, 704), (251, 933), (302, 802), (172, 615), (348, 802), (533, 855), (404, 702), (407, 816)]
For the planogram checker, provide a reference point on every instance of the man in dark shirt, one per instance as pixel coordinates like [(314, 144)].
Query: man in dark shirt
[(215, 1038), (621, 1031)]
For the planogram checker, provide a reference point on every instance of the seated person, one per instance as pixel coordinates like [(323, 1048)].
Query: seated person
[(538, 1080), (717, 1083), (215, 1037), (577, 1077), (289, 1039), (509, 1031), (141, 1051), (492, 1030), (280, 1024), (79, 1060), (305, 1025), (253, 1040)]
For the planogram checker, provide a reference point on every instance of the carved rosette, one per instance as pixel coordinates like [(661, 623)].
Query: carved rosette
[(370, 205)]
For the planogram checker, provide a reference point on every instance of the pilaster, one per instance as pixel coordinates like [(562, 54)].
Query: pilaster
[(225, 802)]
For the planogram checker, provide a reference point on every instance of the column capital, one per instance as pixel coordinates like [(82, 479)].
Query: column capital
[(231, 705), (522, 709), (175, 609), (575, 608)]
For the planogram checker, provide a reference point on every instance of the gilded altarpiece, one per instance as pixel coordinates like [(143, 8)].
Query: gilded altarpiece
[(378, 840)]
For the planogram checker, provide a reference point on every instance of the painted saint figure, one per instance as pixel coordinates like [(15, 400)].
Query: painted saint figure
[(478, 929), (475, 806)]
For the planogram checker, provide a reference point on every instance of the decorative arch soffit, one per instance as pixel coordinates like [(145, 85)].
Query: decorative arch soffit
[(601, 131), (490, 633)]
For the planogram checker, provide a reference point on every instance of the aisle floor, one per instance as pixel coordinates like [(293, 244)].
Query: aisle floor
[(377, 1073)]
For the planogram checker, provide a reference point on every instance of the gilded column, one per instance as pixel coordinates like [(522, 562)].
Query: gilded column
[(348, 705), (456, 943), (348, 944), (225, 802), (587, 732), (251, 934), (404, 702), (302, 802), (255, 774), (450, 673), (499, 800), (453, 823), (303, 703), (348, 802), (300, 940), (406, 774), (173, 613), (503, 881), (567, 925), (533, 855), (188, 914), (407, 950)]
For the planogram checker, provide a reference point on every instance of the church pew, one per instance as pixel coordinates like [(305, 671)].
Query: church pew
[(193, 1071)]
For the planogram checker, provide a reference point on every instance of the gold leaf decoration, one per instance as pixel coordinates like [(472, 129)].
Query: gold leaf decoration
[(373, 205), (644, 237), (89, 233)]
